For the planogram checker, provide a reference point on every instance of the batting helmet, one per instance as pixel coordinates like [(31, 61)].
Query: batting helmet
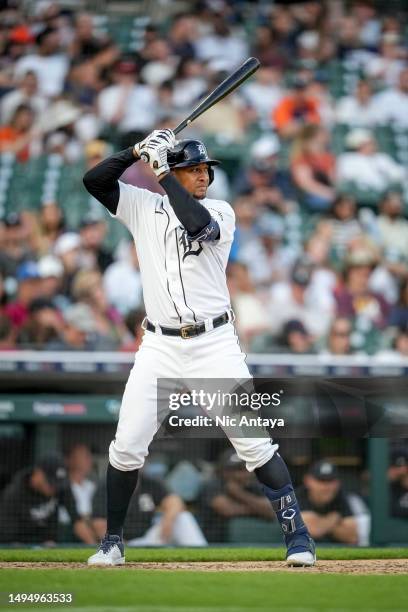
[(191, 153)]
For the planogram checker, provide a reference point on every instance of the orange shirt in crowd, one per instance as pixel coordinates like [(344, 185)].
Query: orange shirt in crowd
[(289, 109), (9, 135), (322, 165)]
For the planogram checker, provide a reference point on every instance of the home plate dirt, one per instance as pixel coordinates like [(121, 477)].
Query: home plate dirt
[(366, 566)]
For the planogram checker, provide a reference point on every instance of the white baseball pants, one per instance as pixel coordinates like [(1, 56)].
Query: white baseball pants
[(214, 354)]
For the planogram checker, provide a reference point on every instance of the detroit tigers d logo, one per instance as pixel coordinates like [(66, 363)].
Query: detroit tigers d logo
[(188, 245)]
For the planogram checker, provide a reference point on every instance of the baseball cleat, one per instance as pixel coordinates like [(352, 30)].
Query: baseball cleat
[(111, 552), (301, 552)]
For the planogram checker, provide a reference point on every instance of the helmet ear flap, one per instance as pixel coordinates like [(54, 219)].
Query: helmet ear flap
[(210, 174)]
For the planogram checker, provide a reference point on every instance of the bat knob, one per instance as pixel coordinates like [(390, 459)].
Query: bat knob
[(145, 157)]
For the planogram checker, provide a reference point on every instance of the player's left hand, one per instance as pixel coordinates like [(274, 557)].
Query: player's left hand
[(156, 154), (154, 138)]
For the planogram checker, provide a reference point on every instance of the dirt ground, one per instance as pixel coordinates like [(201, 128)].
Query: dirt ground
[(369, 566)]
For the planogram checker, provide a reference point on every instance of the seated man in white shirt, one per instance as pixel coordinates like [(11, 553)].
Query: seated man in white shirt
[(392, 104), (367, 168), (357, 110)]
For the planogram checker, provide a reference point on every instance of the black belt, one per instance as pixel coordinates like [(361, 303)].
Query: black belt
[(188, 331)]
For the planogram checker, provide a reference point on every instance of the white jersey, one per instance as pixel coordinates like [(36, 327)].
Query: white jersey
[(183, 282)]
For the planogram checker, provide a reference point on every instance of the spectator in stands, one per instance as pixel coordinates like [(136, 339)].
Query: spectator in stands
[(296, 339), (43, 324), (330, 514), (392, 226), (353, 296), (30, 503), (134, 320), (47, 61), (266, 47), (51, 225), (341, 226), (87, 288), (67, 249), (296, 299), (398, 479), (67, 129), (324, 279), (117, 103), (156, 517), (220, 44), (232, 492), (282, 42), (266, 256), (398, 353), (122, 282), (28, 289), (312, 167), (386, 67), (318, 90), (161, 65), (86, 42), (339, 338), (15, 246), (263, 176), (245, 216), (365, 13), (250, 312), (26, 93), (78, 333), (359, 109), (264, 92), (295, 110), (92, 231), (20, 136), (392, 104), (182, 35), (51, 272), (348, 37), (84, 82), (365, 168), (79, 463), (188, 85), (228, 120), (399, 311), (7, 334)]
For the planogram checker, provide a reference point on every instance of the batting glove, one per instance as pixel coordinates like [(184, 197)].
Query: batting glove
[(155, 138), (155, 154)]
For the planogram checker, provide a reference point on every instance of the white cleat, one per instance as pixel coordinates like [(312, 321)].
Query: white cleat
[(111, 552), (301, 559)]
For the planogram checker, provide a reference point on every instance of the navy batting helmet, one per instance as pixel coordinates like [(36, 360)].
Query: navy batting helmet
[(191, 153)]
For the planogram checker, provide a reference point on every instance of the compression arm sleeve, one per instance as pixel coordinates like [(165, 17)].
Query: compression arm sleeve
[(102, 180), (194, 217)]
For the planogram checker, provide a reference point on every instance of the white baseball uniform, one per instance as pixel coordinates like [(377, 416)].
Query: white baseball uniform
[(183, 283)]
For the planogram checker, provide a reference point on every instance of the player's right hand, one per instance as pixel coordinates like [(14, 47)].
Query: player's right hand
[(157, 137)]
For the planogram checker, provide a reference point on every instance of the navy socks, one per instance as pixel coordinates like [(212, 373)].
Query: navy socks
[(119, 487)]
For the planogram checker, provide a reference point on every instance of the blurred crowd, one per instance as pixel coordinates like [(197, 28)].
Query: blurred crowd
[(63, 498), (319, 263)]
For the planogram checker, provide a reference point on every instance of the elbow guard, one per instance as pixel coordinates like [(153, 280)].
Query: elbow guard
[(208, 233)]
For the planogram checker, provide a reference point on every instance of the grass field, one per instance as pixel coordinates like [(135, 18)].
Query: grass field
[(200, 590)]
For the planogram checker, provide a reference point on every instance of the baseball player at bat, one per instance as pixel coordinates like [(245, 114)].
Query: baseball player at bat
[(183, 241)]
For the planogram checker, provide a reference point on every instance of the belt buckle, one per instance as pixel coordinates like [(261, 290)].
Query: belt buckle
[(185, 331)]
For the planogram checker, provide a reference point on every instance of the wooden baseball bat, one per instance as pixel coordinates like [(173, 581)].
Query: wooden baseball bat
[(222, 90)]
